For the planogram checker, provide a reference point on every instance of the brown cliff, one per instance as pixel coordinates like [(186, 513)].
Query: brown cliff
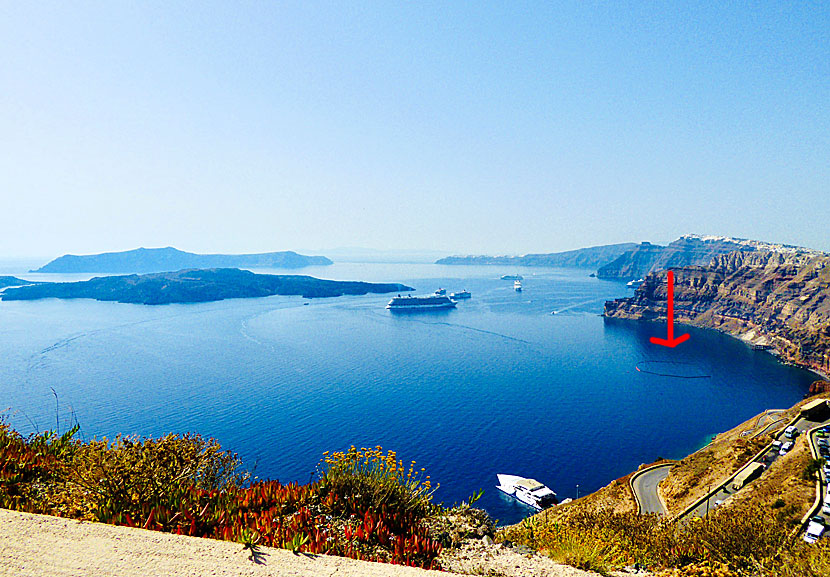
[(688, 250), (769, 299)]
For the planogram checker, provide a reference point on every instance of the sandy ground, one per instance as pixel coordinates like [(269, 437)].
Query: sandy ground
[(43, 546)]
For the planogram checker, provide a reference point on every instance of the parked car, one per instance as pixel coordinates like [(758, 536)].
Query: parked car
[(791, 432), (776, 445), (819, 520), (825, 508), (821, 433), (814, 532), (785, 447)]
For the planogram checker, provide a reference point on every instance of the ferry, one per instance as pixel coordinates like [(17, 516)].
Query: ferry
[(635, 283), (410, 303), (517, 286), (528, 491), (512, 277), (465, 294)]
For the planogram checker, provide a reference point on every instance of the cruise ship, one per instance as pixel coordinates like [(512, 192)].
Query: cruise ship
[(410, 303)]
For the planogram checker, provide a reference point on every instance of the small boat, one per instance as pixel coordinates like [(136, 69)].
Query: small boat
[(512, 277), (528, 491), (461, 295), (517, 286), (635, 283), (441, 292)]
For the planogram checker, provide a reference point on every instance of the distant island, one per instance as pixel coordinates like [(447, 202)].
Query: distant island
[(6, 281), (591, 257), (629, 261), (195, 286), (149, 260)]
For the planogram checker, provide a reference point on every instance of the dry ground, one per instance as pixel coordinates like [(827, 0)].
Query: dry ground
[(44, 546)]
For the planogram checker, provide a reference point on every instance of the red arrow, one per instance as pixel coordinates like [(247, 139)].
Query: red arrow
[(670, 341)]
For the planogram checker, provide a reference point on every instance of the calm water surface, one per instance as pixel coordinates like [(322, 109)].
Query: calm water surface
[(497, 385)]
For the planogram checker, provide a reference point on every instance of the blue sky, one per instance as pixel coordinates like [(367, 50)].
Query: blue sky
[(465, 127)]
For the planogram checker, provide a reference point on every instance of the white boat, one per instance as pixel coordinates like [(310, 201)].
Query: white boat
[(635, 283), (517, 286), (441, 292), (461, 295), (410, 303), (512, 277), (528, 491)]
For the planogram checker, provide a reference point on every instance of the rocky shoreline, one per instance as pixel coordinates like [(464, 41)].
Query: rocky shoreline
[(770, 300)]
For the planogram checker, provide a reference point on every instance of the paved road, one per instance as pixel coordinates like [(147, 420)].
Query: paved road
[(824, 480), (723, 493), (645, 486)]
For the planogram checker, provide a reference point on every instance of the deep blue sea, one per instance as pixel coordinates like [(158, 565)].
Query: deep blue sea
[(499, 385)]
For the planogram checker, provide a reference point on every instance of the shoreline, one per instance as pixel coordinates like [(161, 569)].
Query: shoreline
[(772, 352)]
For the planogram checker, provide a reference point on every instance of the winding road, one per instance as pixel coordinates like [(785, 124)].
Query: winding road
[(645, 484)]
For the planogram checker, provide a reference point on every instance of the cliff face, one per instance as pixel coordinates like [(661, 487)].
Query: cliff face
[(688, 250), (771, 299)]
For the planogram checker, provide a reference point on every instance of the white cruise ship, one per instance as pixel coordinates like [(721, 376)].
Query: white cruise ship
[(410, 303), (528, 491)]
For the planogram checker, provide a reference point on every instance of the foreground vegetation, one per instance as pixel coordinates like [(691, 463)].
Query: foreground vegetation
[(364, 503), (756, 540)]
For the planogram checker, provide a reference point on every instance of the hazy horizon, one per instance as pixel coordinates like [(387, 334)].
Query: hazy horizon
[(459, 129)]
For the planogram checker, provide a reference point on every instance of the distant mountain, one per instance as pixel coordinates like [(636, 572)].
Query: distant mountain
[(591, 257), (688, 250), (12, 281), (147, 260), (192, 286)]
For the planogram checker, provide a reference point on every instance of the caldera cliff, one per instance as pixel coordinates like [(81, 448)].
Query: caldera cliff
[(779, 300)]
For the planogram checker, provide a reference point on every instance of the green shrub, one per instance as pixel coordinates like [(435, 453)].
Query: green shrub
[(371, 479), (126, 475), (32, 469)]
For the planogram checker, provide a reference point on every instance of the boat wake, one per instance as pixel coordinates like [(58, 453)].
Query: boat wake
[(673, 369), (577, 305), (483, 331)]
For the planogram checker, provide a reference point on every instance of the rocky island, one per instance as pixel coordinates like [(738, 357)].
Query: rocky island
[(776, 299), (196, 285), (591, 257), (7, 281), (147, 260), (627, 261)]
